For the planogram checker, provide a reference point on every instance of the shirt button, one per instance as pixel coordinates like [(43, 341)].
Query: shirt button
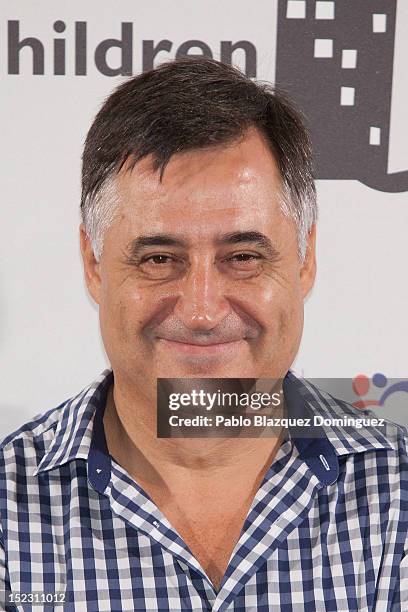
[(156, 523)]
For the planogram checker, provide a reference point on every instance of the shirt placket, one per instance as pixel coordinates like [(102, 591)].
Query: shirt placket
[(279, 507)]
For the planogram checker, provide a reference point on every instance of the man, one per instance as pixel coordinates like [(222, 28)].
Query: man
[(198, 243)]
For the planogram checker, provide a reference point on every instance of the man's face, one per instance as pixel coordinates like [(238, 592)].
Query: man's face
[(200, 275)]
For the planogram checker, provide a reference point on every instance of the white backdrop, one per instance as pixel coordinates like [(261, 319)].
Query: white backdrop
[(356, 317)]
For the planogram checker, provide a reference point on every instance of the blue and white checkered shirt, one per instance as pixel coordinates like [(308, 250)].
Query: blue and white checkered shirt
[(327, 529)]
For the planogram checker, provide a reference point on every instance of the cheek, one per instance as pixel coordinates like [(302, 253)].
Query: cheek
[(283, 314), (121, 313), (290, 323), (281, 297), (123, 323), (129, 314), (290, 328)]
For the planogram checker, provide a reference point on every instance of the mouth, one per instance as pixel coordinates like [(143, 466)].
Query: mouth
[(203, 349)]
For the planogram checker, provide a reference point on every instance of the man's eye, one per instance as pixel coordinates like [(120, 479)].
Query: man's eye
[(158, 259), (161, 266), (245, 258)]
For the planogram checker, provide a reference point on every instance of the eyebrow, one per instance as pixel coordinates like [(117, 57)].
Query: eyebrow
[(252, 237), (231, 238), (141, 242)]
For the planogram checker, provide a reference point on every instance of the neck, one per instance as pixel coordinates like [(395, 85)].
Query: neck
[(133, 443)]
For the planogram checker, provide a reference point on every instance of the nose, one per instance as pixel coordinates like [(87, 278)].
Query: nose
[(201, 304)]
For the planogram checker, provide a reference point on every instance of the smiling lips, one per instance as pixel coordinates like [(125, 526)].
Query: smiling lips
[(205, 347)]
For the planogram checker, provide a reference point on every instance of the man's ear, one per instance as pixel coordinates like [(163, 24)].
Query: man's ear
[(91, 266), (308, 270)]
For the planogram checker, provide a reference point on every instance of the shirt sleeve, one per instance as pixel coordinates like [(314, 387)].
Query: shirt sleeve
[(4, 581)]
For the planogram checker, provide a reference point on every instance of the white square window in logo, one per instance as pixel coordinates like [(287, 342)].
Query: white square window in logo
[(375, 136), (324, 10), (347, 96), (323, 47), (349, 58), (296, 9), (379, 23)]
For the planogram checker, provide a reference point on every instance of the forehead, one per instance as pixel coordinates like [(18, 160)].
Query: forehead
[(233, 185)]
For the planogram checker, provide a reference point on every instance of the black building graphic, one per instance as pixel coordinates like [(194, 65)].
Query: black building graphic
[(336, 60)]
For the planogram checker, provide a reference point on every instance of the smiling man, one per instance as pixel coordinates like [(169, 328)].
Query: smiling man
[(198, 243)]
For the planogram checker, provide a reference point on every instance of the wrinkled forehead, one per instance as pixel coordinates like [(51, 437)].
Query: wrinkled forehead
[(231, 184)]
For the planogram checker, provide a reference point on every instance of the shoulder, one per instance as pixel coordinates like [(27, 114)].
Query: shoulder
[(35, 427), (26, 445), (361, 423), (23, 449), (52, 437), (354, 430)]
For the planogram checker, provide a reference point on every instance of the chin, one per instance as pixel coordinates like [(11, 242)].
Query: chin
[(205, 369)]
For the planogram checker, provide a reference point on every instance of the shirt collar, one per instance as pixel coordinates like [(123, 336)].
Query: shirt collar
[(79, 432), (74, 432), (304, 398)]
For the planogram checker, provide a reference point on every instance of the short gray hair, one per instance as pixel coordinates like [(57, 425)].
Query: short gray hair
[(189, 104)]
